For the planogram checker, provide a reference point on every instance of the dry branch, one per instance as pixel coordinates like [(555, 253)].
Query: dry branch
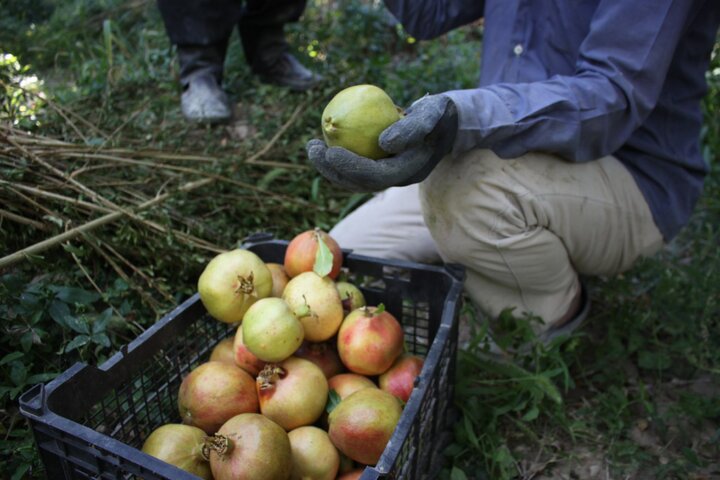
[(23, 143)]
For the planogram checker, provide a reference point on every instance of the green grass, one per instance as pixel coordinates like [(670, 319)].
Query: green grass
[(633, 396)]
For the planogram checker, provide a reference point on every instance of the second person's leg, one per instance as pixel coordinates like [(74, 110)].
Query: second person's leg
[(200, 30), (266, 50)]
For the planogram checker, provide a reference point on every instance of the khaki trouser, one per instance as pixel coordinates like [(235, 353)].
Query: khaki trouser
[(523, 228)]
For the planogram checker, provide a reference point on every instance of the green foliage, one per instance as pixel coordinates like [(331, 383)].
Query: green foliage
[(21, 96), (48, 326)]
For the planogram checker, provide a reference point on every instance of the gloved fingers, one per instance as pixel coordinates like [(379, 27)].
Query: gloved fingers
[(408, 131), (419, 121), (315, 149), (348, 170), (359, 174), (403, 168)]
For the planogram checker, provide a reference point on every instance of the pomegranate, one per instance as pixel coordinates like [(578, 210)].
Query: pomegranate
[(233, 281), (316, 302), (214, 392), (400, 379), (223, 352), (350, 296), (250, 446), (314, 455), (279, 278), (180, 445), (346, 383), (361, 425), (271, 331), (292, 393), (243, 357), (302, 251), (323, 355), (369, 340)]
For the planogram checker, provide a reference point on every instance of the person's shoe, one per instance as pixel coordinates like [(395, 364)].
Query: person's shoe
[(287, 71), (571, 325), (203, 100), (546, 337)]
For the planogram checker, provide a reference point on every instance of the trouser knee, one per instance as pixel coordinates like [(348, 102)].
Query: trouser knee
[(468, 206)]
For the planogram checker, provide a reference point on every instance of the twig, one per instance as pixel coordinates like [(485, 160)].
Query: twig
[(113, 206), (188, 238), (61, 111), (175, 168), (92, 282), (20, 219), (137, 270), (110, 217), (35, 204), (148, 299), (89, 226), (13, 187), (278, 134), (123, 125)]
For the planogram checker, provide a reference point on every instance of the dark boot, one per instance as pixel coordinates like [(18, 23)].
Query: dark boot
[(266, 50), (269, 57), (201, 73)]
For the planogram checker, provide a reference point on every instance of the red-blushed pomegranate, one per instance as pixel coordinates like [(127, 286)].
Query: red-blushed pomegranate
[(302, 251), (316, 302), (400, 379), (350, 296), (345, 384), (223, 352), (271, 331), (361, 424), (292, 393), (214, 392), (279, 278), (354, 475), (243, 357), (180, 445), (369, 341), (314, 455), (323, 355), (250, 447), (231, 282)]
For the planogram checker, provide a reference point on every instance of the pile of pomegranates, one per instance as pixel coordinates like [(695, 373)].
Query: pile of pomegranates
[(312, 383)]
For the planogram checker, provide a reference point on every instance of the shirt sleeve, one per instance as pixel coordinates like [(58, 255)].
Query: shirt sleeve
[(618, 79), (426, 19)]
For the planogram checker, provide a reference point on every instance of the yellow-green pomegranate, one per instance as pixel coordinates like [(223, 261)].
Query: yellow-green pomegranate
[(231, 282), (271, 331), (314, 455), (181, 446), (355, 118)]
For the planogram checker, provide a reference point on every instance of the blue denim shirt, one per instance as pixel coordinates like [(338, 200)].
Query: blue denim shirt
[(588, 78)]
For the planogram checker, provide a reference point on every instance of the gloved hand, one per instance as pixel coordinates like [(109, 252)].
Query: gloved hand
[(418, 141)]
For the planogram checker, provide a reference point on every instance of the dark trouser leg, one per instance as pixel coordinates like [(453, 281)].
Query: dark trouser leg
[(200, 22), (261, 27), (266, 50), (200, 29)]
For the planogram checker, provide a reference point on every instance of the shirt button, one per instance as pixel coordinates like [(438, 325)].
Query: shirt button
[(518, 50)]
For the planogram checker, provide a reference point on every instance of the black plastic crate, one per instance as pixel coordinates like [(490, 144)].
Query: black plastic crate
[(90, 422)]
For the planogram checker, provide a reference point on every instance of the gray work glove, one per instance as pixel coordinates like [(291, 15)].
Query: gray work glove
[(417, 143)]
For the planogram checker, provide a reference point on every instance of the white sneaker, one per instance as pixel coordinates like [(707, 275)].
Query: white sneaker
[(205, 101)]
